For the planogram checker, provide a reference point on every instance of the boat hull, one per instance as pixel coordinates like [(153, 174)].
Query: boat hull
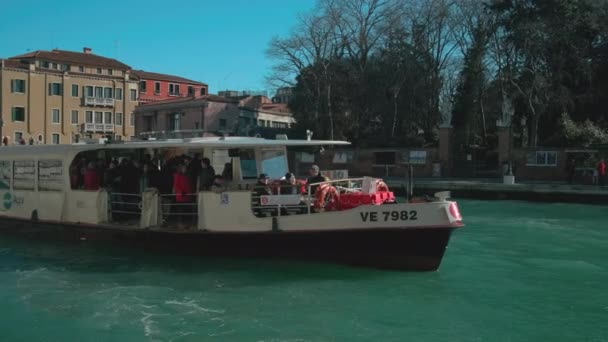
[(413, 249)]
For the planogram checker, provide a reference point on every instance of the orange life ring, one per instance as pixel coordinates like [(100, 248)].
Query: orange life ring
[(381, 186), (327, 197)]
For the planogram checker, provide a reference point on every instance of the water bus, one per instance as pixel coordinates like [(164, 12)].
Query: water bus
[(355, 221)]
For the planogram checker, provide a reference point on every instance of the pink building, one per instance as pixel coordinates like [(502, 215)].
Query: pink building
[(187, 117), (154, 87)]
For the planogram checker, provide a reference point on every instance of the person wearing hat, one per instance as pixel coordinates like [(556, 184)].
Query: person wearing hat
[(289, 185), (315, 177)]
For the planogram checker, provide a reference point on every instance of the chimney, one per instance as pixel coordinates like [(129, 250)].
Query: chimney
[(87, 50)]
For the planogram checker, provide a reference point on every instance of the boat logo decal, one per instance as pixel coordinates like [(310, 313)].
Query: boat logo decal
[(7, 201), (384, 216)]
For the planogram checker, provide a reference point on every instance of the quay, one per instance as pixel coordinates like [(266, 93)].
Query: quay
[(494, 189)]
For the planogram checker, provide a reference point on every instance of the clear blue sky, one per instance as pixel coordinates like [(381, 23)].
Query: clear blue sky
[(221, 43)]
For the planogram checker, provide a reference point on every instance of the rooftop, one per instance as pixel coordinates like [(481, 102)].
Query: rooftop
[(209, 97), (146, 75), (71, 57)]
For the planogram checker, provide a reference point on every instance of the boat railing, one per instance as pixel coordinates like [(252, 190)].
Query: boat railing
[(125, 206), (183, 211)]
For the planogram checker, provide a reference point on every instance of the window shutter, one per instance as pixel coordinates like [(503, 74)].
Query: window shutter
[(13, 113), (50, 89), (13, 86)]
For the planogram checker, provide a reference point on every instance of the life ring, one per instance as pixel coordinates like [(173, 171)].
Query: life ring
[(381, 186), (327, 197)]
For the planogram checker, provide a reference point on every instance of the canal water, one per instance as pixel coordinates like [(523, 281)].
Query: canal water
[(518, 272)]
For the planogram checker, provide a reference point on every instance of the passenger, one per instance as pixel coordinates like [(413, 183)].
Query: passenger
[(601, 172), (149, 178), (227, 173), (289, 185), (194, 168), (111, 177), (91, 178), (207, 175), (218, 184), (315, 177), (183, 189)]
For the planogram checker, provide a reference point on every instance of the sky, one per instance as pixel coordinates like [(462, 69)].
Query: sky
[(221, 43)]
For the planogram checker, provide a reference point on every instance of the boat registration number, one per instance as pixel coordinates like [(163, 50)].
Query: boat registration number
[(403, 215)]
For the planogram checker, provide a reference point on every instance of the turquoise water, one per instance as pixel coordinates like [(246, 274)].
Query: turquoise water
[(518, 272)]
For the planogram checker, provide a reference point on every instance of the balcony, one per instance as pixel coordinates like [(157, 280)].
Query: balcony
[(98, 101), (98, 127)]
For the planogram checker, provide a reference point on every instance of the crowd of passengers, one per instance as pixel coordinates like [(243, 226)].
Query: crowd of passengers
[(180, 175)]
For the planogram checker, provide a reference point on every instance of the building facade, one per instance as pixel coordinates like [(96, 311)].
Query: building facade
[(207, 115), (58, 97), (155, 87)]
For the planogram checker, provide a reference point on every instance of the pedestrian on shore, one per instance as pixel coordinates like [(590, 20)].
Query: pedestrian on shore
[(601, 172)]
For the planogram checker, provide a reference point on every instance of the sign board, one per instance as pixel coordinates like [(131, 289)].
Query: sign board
[(417, 157), (280, 199), (50, 175)]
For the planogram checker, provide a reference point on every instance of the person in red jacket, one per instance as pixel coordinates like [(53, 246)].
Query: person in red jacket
[(183, 190), (91, 178), (601, 172)]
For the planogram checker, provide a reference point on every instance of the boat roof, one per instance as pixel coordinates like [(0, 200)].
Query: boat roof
[(219, 142)]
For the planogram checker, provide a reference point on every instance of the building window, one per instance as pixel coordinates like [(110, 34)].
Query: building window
[(118, 137), (56, 139), (80, 68), (203, 91), (65, 67), (88, 118), (74, 117), (142, 86), (55, 66), (55, 116), (132, 119), (133, 95), (55, 89), (174, 89), (98, 117), (175, 121), (99, 92), (542, 158), (118, 119), (99, 71), (222, 124), (118, 94), (107, 93), (88, 91), (18, 114), (75, 90), (107, 117), (261, 123), (190, 91), (157, 88), (110, 71), (18, 86), (45, 64), (75, 138)]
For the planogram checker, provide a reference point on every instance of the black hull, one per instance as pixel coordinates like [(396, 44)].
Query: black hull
[(415, 249)]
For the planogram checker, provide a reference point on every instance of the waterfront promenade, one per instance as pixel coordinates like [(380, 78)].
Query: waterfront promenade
[(493, 188)]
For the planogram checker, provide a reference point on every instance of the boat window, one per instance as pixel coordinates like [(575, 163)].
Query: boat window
[(50, 175), (24, 172), (274, 163), (5, 174), (249, 168)]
